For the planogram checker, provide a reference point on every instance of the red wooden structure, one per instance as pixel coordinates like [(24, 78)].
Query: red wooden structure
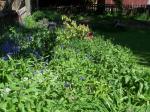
[(129, 2)]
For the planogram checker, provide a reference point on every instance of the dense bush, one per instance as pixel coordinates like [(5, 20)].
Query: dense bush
[(72, 30), (90, 75)]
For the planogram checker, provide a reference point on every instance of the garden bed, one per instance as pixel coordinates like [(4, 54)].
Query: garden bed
[(68, 70)]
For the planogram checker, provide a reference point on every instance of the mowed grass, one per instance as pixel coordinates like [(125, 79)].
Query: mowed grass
[(135, 39), (135, 34)]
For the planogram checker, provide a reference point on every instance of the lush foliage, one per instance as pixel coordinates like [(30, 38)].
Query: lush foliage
[(71, 30), (83, 74), (28, 40)]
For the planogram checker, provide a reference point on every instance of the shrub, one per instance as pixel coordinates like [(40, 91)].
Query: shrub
[(38, 15), (72, 30), (29, 22)]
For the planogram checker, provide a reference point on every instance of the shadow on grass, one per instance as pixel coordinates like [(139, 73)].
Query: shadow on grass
[(134, 36)]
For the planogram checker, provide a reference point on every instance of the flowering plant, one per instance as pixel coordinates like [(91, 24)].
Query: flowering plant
[(72, 30)]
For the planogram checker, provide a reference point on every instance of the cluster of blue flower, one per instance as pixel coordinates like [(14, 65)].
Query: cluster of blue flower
[(37, 54), (68, 84), (10, 48), (41, 72)]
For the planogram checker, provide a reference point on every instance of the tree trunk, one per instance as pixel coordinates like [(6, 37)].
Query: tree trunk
[(28, 6)]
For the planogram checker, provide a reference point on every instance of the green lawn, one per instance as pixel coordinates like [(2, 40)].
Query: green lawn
[(135, 35), (135, 39)]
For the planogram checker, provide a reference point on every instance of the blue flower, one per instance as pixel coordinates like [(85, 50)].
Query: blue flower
[(82, 78), (10, 47), (6, 47), (16, 49), (38, 72), (42, 72), (67, 84), (37, 54), (29, 38)]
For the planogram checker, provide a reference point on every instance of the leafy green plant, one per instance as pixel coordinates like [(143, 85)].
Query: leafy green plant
[(29, 22), (39, 40), (38, 15), (108, 74), (72, 30)]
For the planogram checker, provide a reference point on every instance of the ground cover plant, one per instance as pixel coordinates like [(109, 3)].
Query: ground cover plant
[(69, 70)]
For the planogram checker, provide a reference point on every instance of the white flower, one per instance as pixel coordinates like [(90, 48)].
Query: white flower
[(25, 78), (7, 90)]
